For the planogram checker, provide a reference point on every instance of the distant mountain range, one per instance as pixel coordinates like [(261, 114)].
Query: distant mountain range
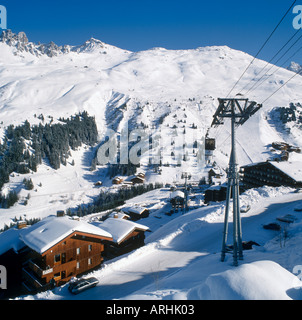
[(21, 43), (295, 67)]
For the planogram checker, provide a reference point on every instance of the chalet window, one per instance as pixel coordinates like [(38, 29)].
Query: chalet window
[(57, 258), (89, 261), (78, 265), (78, 250), (63, 257), (89, 247)]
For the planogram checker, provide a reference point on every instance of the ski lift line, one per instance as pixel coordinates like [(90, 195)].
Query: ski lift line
[(277, 69), (271, 59), (229, 134), (218, 131), (238, 142), (291, 57), (255, 86), (284, 84), (265, 43)]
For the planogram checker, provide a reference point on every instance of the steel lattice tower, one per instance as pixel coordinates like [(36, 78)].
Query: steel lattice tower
[(238, 111)]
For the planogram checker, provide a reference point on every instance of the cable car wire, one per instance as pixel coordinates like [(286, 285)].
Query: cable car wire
[(283, 85), (255, 86), (265, 43), (271, 61)]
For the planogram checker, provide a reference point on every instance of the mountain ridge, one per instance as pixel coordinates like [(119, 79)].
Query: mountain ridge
[(21, 43)]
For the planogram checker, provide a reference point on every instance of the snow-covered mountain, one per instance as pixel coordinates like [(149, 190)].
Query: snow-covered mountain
[(169, 92), (295, 67), (60, 81), (21, 44)]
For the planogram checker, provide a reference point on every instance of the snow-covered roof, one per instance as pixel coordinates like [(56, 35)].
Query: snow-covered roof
[(120, 228), (134, 209), (217, 170), (217, 186), (120, 215), (177, 193), (51, 230), (9, 239), (292, 169)]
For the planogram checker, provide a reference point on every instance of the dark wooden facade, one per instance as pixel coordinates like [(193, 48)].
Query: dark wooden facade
[(177, 202), (218, 193), (76, 254), (265, 173), (138, 180), (136, 213), (117, 180), (215, 194), (134, 240)]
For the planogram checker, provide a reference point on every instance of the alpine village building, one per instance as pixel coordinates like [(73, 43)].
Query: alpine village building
[(272, 173), (61, 248), (57, 248)]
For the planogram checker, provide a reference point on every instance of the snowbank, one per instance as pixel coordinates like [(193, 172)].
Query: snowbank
[(261, 280)]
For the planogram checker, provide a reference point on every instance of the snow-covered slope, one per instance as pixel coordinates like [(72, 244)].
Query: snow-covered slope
[(181, 258), (89, 76), (165, 90), (101, 78)]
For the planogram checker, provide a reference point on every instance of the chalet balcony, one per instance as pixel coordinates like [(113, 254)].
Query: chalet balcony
[(43, 272), (31, 279), (38, 270)]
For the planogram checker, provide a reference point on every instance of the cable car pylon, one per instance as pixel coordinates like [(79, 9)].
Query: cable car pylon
[(238, 111)]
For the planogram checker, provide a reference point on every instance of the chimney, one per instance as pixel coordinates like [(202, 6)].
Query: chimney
[(21, 224), (60, 213)]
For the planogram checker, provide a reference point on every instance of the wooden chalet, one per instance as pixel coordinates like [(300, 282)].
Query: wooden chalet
[(215, 193), (218, 193), (214, 173), (272, 173), (126, 236), (136, 212), (139, 178), (61, 248), (177, 199), (117, 180)]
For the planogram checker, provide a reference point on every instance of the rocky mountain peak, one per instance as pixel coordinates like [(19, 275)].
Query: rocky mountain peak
[(21, 44), (11, 38), (295, 67)]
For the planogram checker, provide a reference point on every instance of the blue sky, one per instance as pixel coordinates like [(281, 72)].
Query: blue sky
[(140, 25)]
